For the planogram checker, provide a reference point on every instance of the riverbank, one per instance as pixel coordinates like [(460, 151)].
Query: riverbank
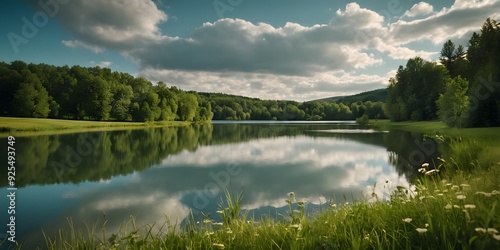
[(488, 138), (37, 126)]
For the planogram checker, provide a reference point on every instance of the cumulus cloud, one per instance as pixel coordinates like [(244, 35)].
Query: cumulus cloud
[(241, 46), (270, 86), (457, 22), (112, 24), (80, 44), (292, 61), (419, 9)]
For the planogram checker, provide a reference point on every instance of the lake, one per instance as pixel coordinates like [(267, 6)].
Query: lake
[(155, 173)]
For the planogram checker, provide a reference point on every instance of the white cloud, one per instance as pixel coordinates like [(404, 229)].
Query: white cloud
[(292, 61), (419, 9), (269, 86), (112, 24), (457, 22), (104, 64), (80, 44)]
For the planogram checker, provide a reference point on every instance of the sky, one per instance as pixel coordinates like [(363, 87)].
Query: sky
[(269, 49)]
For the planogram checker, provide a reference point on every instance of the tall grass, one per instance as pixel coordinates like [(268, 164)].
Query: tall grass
[(439, 213)]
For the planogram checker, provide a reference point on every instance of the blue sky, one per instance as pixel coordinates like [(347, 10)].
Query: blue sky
[(274, 49)]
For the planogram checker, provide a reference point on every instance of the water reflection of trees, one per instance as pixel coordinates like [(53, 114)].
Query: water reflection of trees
[(74, 158)]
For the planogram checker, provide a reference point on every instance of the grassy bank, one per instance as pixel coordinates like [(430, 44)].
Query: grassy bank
[(444, 210), (488, 138), (29, 126)]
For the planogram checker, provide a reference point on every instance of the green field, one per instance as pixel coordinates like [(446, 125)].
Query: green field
[(36, 126)]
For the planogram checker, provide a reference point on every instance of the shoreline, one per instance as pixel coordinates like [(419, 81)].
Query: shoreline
[(16, 126)]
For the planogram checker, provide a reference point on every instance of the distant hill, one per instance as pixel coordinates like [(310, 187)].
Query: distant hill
[(378, 95)]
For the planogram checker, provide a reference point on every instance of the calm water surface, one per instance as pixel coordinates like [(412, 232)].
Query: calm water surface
[(157, 172)]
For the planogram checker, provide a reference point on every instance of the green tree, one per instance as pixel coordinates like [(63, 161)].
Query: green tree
[(454, 102), (31, 99)]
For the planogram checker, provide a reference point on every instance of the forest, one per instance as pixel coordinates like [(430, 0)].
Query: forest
[(41, 90), (463, 90)]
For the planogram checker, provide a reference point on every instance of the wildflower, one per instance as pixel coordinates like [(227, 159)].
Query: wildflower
[(218, 245), (367, 237), (421, 230), (219, 211), (496, 237), (456, 206), (448, 184), (422, 170), (469, 206), (407, 220), (464, 185), (448, 206), (426, 224), (217, 223), (440, 194), (492, 231), (495, 192), (485, 194), (454, 187), (425, 165), (431, 172), (480, 230), (461, 197)]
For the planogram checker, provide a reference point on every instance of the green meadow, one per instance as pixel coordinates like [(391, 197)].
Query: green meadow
[(37, 126)]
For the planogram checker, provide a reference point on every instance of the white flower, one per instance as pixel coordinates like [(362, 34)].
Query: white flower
[(421, 230), (422, 170), (407, 220), (464, 185), (492, 231), (495, 192), (217, 223), (425, 165), (496, 237), (448, 206), (480, 230), (456, 206), (432, 171), (469, 206), (426, 224), (461, 197), (454, 187), (218, 245)]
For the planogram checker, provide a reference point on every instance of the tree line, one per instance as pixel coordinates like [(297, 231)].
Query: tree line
[(94, 93), (463, 90), (41, 90), (230, 107)]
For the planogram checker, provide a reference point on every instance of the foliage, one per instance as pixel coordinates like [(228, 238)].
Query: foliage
[(363, 120), (40, 90), (230, 107), (412, 94), (453, 104)]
